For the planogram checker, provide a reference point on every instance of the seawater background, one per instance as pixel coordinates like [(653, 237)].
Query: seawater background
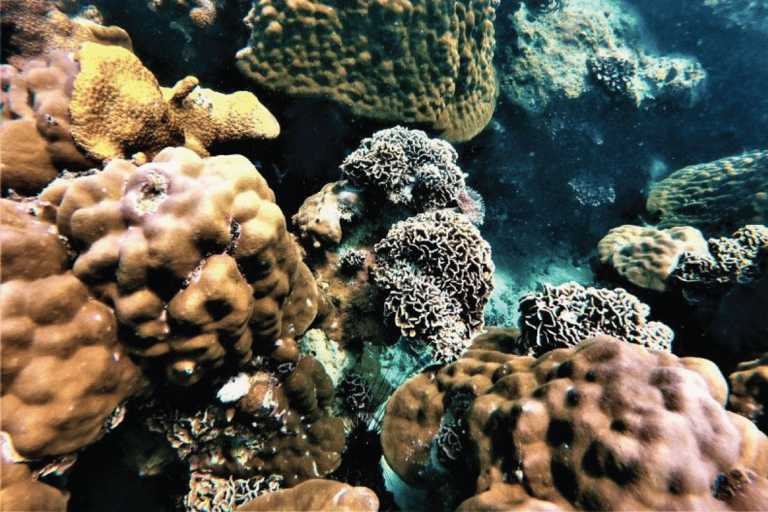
[(555, 177)]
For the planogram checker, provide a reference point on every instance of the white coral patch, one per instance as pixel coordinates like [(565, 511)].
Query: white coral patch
[(235, 388)]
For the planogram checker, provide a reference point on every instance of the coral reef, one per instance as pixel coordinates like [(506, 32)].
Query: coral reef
[(194, 256), (19, 491), (562, 316), (437, 271), (590, 427), (646, 256), (749, 390), (316, 495), (717, 197), (118, 108), (279, 428), (416, 62), (35, 133)]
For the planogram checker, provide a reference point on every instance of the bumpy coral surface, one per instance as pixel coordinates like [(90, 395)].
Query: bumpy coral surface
[(280, 427), (645, 256), (717, 197), (320, 216), (316, 495), (438, 272), (34, 28), (605, 425), (749, 390), (421, 62), (19, 491), (194, 256), (562, 316), (118, 109), (406, 167), (35, 130)]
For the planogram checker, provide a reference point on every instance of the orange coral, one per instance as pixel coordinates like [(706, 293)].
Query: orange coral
[(420, 62), (19, 491), (195, 257)]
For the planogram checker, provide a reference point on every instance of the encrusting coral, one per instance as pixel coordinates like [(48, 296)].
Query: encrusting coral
[(194, 256), (646, 256), (420, 62), (604, 425), (118, 109), (562, 316), (63, 371), (35, 130), (716, 197)]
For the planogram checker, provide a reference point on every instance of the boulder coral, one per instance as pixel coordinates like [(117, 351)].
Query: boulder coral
[(315, 495), (605, 425), (19, 490), (422, 62), (645, 256), (195, 258), (717, 197)]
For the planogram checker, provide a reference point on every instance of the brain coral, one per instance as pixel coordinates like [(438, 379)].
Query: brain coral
[(438, 272), (717, 197), (562, 316), (426, 62), (194, 256), (645, 256), (35, 129), (605, 425)]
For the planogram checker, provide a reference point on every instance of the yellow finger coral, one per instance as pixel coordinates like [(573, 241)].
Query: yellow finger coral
[(419, 61)]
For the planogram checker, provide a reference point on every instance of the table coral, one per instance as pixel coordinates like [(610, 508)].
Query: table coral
[(315, 495), (645, 256), (437, 270), (716, 197), (590, 427), (35, 130), (418, 62), (194, 256), (562, 316)]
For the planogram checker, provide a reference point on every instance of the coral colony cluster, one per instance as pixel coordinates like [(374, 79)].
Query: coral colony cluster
[(182, 331)]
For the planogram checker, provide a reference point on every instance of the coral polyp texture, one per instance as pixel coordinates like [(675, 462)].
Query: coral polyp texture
[(35, 133), (562, 316), (422, 62), (437, 271), (605, 425), (63, 371), (280, 428), (406, 167), (194, 256), (315, 495), (717, 197), (646, 256), (118, 109)]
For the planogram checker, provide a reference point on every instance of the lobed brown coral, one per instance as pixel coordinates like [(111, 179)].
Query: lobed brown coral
[(749, 390), (716, 197), (194, 256), (315, 495), (419, 62), (562, 316), (20, 491), (646, 256), (437, 270), (36, 130), (604, 425), (320, 216)]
